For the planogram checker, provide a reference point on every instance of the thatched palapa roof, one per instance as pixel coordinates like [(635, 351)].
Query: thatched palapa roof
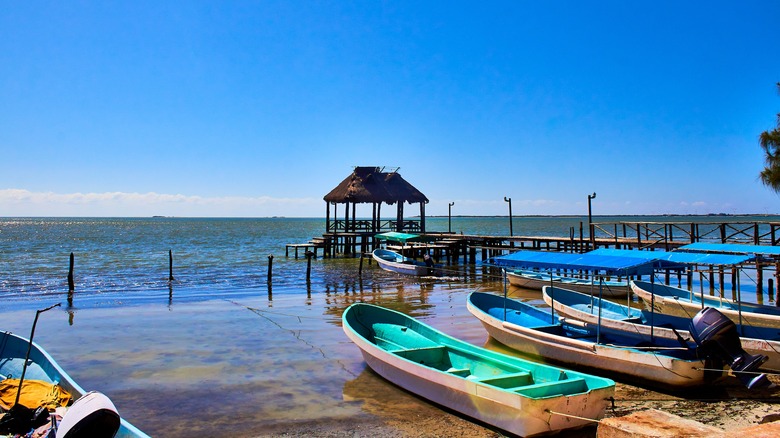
[(372, 185)]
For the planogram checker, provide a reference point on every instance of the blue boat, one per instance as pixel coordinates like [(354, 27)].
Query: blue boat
[(42, 367)]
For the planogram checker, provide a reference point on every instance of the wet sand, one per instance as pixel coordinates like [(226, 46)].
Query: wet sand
[(250, 365)]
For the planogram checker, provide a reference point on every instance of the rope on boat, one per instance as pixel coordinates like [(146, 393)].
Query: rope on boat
[(628, 347), (572, 416), (736, 372)]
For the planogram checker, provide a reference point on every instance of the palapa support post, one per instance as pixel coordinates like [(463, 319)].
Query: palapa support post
[(71, 284), (309, 255), (170, 265), (270, 264)]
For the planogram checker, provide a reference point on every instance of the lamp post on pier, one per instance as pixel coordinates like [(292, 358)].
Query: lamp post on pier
[(449, 216), (509, 200), (590, 218)]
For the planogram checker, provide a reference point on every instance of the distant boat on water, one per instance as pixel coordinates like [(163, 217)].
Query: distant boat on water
[(395, 262)]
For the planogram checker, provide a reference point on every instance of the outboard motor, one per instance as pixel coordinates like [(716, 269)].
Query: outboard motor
[(715, 334), (91, 416)]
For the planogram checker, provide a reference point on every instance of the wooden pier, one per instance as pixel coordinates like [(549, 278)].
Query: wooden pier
[(665, 236)]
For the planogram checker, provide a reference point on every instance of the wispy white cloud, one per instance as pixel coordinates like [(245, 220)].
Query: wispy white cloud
[(20, 202)]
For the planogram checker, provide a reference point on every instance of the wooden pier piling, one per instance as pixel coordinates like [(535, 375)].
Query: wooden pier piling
[(270, 264), (71, 284), (309, 255), (170, 265)]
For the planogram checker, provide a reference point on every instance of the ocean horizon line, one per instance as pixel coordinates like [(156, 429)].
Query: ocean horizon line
[(514, 216)]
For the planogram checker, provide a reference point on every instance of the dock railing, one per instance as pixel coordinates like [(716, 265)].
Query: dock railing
[(650, 234)]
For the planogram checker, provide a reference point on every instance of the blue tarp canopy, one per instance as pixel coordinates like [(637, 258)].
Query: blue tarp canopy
[(731, 248), (676, 260), (608, 264)]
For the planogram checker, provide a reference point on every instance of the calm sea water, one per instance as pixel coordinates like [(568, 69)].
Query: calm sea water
[(129, 258), (218, 351)]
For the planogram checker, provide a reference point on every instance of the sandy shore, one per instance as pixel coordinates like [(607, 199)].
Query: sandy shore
[(401, 414), (430, 421)]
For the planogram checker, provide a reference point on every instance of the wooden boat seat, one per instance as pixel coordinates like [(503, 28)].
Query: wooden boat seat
[(460, 372), (554, 388), (387, 344), (434, 357), (508, 381)]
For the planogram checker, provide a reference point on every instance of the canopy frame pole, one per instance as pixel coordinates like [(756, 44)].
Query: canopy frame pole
[(739, 302), (592, 295), (652, 304), (601, 295), (503, 271), (552, 297)]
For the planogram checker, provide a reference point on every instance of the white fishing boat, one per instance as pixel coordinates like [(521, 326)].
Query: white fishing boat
[(536, 280), (522, 397), (538, 334), (593, 310), (395, 262), (753, 320)]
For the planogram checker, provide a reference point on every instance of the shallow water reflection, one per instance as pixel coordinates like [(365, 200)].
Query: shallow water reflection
[(243, 363)]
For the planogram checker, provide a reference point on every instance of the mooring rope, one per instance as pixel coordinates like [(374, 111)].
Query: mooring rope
[(736, 372), (572, 416), (629, 347)]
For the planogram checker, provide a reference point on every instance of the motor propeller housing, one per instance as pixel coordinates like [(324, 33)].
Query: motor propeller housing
[(715, 334)]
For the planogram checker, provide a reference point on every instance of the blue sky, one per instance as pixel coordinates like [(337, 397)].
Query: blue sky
[(261, 108)]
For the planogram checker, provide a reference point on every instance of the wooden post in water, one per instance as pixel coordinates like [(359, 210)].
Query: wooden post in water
[(170, 265), (309, 254), (71, 284), (770, 290), (270, 264), (759, 278), (360, 268)]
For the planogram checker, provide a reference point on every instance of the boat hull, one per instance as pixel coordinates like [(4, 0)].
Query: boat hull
[(492, 403), (544, 342), (43, 367), (537, 281), (753, 320), (616, 316), (394, 262)]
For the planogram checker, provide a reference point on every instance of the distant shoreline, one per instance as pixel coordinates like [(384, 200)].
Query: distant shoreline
[(612, 215), (466, 216)]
